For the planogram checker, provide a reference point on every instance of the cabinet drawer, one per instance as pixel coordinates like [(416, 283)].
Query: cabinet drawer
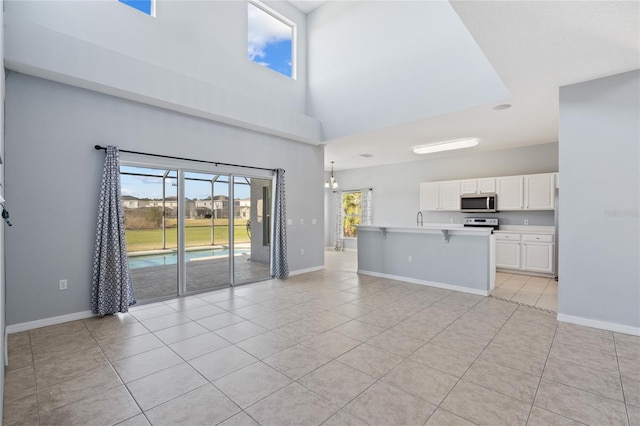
[(542, 238), (510, 237)]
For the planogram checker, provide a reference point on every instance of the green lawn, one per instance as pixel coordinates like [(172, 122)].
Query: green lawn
[(151, 239)]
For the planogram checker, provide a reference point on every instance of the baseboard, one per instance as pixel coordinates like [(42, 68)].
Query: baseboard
[(24, 326), (424, 282), (304, 271), (603, 325)]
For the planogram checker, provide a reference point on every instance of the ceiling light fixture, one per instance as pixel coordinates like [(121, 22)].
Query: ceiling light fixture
[(445, 146), (331, 183), (501, 107)]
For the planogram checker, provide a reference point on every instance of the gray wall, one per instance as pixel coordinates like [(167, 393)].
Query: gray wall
[(396, 187), (53, 175), (600, 195)]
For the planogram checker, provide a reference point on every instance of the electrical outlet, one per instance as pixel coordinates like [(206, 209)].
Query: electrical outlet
[(289, 221), (314, 221), (410, 259), (301, 221), (451, 220), (62, 285), (302, 251), (526, 221)]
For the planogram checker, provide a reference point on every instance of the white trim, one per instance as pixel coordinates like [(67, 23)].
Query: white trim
[(603, 325), (424, 282), (304, 271), (24, 326)]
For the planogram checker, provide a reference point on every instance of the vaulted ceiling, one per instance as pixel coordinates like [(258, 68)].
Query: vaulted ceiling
[(534, 48)]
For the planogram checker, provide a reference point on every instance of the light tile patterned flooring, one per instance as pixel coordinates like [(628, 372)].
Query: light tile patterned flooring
[(329, 348), (539, 292)]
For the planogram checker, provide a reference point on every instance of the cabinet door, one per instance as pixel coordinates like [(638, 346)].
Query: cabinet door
[(508, 254), (487, 186), (538, 257), (450, 195), (469, 186), (540, 191), (510, 192), (429, 199)]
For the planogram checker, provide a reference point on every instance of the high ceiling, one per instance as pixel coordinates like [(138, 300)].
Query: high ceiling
[(535, 48)]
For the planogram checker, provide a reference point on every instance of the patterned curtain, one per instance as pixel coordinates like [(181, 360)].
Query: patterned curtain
[(279, 267), (338, 234), (111, 288), (365, 207)]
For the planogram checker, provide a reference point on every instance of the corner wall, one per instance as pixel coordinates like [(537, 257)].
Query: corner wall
[(600, 198), (53, 175)]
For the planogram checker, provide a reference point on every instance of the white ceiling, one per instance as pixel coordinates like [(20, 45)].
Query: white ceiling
[(535, 47)]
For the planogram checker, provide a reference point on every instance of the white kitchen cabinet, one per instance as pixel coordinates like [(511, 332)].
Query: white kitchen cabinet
[(525, 252), (539, 191), (440, 196), (510, 191), (469, 186), (538, 253), (508, 251), (478, 186)]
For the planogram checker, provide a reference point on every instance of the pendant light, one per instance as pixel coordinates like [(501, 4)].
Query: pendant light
[(331, 183)]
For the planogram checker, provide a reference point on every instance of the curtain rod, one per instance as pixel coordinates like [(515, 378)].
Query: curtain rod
[(352, 190), (216, 163)]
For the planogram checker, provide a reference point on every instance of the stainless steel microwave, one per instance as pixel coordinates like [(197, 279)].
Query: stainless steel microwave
[(479, 203)]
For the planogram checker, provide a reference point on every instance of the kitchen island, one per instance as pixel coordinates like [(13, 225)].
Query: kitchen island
[(439, 255)]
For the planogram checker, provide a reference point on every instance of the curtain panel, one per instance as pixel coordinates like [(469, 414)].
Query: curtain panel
[(279, 266), (366, 212), (111, 286), (338, 232)]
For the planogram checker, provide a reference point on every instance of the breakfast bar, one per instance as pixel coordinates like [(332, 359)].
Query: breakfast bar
[(445, 256)]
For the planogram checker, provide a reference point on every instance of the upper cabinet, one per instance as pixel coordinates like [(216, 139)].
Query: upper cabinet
[(478, 186), (510, 192), (440, 196), (539, 191), (526, 192)]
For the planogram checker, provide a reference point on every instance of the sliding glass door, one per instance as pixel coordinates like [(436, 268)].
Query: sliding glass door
[(206, 231), (150, 201), (251, 223), (189, 231)]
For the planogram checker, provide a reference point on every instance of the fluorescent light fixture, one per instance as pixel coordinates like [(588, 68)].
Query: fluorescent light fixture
[(445, 146)]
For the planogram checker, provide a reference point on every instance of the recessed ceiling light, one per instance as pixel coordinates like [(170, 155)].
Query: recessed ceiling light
[(445, 146), (501, 107), (366, 155)]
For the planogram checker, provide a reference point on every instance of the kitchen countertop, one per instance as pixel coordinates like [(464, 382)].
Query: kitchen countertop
[(526, 229)]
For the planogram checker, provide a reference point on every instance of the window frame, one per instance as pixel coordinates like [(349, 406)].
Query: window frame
[(294, 36)]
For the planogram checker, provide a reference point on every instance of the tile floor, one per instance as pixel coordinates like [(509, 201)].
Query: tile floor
[(329, 348), (539, 292)]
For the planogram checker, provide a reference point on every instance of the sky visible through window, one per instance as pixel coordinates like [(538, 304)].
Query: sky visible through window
[(142, 5), (269, 41)]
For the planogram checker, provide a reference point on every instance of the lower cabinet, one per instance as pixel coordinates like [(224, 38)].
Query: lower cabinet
[(525, 252)]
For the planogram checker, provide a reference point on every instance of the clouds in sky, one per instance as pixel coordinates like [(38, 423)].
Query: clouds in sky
[(264, 30)]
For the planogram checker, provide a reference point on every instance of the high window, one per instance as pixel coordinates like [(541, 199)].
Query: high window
[(144, 6), (270, 39), (351, 213)]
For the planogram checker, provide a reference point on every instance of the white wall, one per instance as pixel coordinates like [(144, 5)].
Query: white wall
[(53, 175), (191, 58), (396, 187), (600, 199), (345, 41)]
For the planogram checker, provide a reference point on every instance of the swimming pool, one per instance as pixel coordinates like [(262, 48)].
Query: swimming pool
[(151, 260)]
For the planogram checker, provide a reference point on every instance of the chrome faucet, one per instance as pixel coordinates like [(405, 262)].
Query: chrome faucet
[(419, 220)]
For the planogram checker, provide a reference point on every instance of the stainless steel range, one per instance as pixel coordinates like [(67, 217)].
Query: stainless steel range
[(484, 222)]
